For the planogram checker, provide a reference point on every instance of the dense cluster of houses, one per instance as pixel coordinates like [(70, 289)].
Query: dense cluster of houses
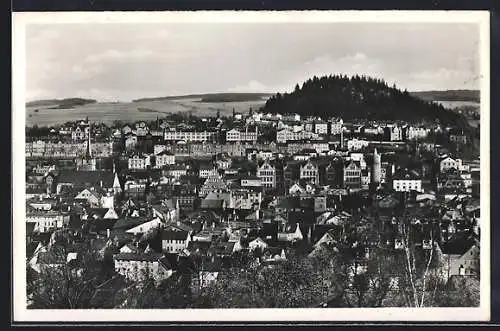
[(157, 195)]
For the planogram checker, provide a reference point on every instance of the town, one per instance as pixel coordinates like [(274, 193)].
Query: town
[(251, 210)]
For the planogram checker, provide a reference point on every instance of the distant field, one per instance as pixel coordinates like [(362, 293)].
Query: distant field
[(129, 111), (458, 104), (449, 95)]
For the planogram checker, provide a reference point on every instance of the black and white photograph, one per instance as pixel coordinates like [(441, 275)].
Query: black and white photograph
[(251, 166)]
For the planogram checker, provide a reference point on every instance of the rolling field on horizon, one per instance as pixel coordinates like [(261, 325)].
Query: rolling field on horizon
[(129, 111)]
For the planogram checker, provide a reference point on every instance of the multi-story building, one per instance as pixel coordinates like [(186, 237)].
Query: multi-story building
[(141, 266), (334, 172), (393, 132), (49, 149), (244, 198), (406, 181), (80, 133), (309, 172), (416, 133), (174, 241), (267, 174), (138, 162), (134, 188), (320, 146), (336, 127), (47, 221), (251, 181), (157, 149), (449, 163), (164, 158), (352, 175), (130, 142), (207, 170), (285, 135), (189, 135), (235, 135), (174, 171), (321, 128), (356, 144)]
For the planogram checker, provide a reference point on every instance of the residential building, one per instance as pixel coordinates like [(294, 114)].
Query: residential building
[(174, 241), (309, 172), (286, 135), (336, 127), (47, 221), (138, 162), (189, 135), (164, 158), (321, 128), (244, 198), (352, 175), (267, 174), (356, 144), (142, 266), (448, 162), (406, 181)]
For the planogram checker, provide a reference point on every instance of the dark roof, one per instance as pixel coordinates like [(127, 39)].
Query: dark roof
[(406, 174), (199, 246), (102, 225), (129, 222), (84, 178), (138, 256), (174, 235), (458, 246), (212, 204)]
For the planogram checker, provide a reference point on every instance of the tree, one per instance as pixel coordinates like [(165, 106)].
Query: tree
[(64, 284), (421, 268)]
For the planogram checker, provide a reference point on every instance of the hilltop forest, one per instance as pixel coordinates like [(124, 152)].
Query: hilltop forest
[(358, 97)]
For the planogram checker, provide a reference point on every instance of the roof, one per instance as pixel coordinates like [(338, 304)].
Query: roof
[(406, 174), (212, 203), (174, 235), (128, 222), (51, 257), (458, 246), (91, 178), (138, 256)]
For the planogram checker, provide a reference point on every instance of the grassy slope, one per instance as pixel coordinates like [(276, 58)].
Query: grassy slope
[(212, 97)]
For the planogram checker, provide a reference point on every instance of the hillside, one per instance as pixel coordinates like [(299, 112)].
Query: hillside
[(212, 97), (358, 98), (448, 95), (60, 103)]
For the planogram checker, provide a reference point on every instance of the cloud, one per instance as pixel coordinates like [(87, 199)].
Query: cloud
[(251, 86), (115, 55), (442, 78), (349, 64)]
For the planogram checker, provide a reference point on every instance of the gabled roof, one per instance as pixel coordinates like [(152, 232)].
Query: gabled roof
[(128, 223), (174, 235), (111, 214), (86, 178), (459, 246), (151, 257)]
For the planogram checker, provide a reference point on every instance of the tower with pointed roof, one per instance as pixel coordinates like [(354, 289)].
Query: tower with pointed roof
[(88, 153), (376, 168)]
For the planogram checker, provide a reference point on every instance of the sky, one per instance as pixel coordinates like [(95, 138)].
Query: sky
[(121, 62)]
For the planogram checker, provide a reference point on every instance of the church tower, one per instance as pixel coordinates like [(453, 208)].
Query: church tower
[(376, 172), (88, 153), (341, 137)]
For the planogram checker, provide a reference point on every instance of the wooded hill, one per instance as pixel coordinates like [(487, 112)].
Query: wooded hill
[(358, 97)]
